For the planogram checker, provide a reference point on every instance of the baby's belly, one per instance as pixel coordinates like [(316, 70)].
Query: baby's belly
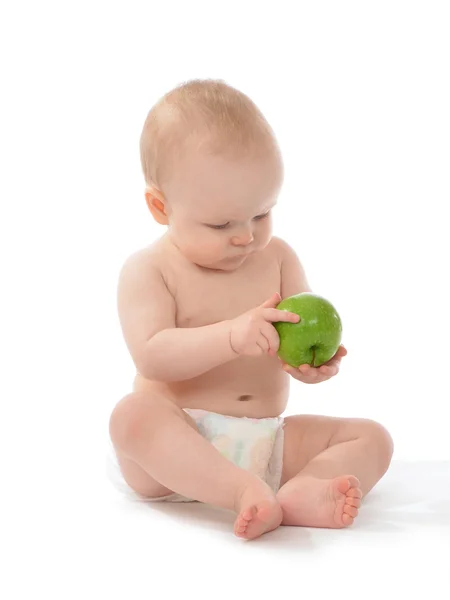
[(246, 387)]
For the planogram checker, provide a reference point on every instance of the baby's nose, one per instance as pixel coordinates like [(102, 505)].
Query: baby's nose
[(244, 238)]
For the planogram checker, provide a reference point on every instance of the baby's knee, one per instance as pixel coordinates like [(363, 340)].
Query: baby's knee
[(134, 414), (380, 438)]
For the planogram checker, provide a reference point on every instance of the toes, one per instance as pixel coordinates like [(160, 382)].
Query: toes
[(347, 485), (354, 493), (240, 528), (241, 523), (342, 485), (350, 511), (243, 520), (354, 482), (347, 519), (353, 502), (248, 513)]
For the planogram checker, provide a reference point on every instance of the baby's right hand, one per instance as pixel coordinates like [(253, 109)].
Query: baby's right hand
[(253, 334)]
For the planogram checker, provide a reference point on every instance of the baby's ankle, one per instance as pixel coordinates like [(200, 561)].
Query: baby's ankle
[(252, 491)]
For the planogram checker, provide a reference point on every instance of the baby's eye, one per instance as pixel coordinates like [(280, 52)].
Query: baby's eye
[(259, 217), (224, 226)]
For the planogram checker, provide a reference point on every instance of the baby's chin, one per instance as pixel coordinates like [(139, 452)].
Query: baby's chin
[(225, 264)]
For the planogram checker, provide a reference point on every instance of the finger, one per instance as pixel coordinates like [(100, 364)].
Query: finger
[(273, 301), (333, 364), (328, 370), (334, 360), (272, 337), (310, 378), (261, 342), (273, 315), (271, 345), (293, 372), (308, 372)]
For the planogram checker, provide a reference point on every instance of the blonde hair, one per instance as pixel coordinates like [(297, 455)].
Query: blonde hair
[(201, 114)]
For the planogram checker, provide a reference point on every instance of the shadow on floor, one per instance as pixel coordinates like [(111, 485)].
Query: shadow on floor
[(411, 494)]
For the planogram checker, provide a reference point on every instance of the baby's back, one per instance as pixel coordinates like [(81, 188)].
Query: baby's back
[(246, 386)]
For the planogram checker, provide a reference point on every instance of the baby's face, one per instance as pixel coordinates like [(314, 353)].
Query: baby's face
[(220, 209)]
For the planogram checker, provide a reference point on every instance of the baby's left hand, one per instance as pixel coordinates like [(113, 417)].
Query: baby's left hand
[(308, 374)]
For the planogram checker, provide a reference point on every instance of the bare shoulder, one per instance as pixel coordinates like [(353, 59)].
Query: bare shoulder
[(144, 263), (293, 276), (281, 249)]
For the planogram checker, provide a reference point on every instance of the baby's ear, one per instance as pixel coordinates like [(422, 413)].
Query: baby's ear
[(156, 204)]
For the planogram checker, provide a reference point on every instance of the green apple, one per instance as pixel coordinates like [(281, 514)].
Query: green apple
[(315, 339)]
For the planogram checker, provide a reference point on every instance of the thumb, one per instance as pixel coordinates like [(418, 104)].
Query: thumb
[(272, 302)]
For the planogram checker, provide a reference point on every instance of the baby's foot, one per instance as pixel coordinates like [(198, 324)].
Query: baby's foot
[(258, 512), (312, 502)]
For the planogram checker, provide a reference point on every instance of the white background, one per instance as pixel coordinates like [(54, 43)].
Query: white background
[(359, 95)]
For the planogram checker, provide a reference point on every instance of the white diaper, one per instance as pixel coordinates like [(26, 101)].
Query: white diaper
[(255, 445)]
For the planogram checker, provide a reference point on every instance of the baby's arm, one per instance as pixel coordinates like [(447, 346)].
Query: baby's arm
[(160, 350), (293, 278)]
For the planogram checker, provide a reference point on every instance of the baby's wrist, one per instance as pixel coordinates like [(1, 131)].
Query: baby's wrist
[(228, 327)]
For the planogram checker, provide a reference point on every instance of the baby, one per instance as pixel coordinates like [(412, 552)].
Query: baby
[(197, 309)]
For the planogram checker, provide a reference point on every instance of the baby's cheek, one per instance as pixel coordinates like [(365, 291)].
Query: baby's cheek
[(265, 233), (215, 245), (205, 247)]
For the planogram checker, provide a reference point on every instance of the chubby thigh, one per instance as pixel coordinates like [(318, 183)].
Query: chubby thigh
[(134, 475)]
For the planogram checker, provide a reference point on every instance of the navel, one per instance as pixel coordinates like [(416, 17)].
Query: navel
[(244, 397)]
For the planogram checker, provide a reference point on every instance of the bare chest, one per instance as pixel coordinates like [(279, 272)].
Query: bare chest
[(203, 296)]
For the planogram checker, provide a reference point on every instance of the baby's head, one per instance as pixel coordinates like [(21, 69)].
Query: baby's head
[(213, 171)]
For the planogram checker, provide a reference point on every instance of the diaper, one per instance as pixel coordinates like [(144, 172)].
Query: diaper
[(255, 445)]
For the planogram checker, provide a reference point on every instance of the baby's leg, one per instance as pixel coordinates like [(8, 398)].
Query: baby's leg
[(329, 464), (160, 451)]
